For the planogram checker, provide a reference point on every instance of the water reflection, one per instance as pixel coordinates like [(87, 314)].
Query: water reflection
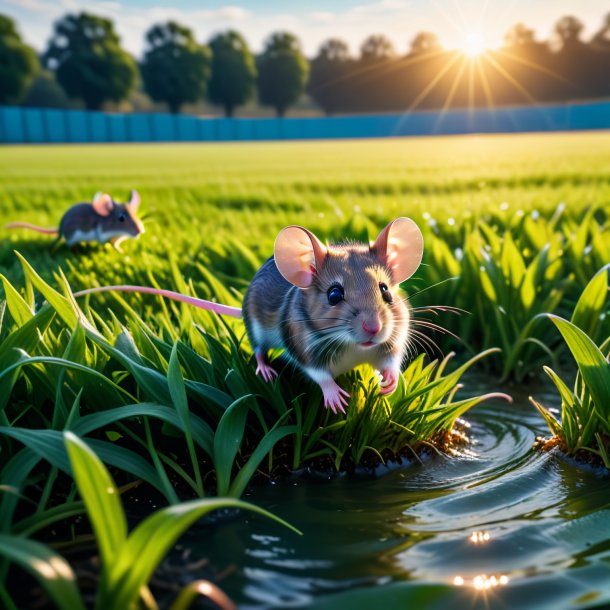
[(479, 537), (481, 582), (455, 529)]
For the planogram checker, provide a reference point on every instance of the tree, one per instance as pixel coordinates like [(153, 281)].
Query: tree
[(601, 39), (45, 92), (569, 29), (88, 61), (376, 48), (18, 63), (282, 72), (328, 73), (233, 71), (425, 42), (175, 69)]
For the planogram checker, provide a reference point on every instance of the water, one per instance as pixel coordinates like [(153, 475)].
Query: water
[(504, 527)]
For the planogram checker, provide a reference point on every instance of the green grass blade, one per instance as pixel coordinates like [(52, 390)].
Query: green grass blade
[(101, 498), (20, 310), (591, 303), (62, 306), (149, 543), (177, 391), (592, 364), (49, 568), (201, 431), (227, 441), (246, 472)]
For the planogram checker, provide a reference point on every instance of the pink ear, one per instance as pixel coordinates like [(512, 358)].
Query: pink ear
[(400, 246), (102, 203), (298, 253), (134, 202)]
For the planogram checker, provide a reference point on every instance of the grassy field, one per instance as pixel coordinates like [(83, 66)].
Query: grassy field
[(199, 197), (515, 228)]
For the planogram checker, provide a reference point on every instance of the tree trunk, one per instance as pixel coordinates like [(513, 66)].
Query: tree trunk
[(229, 108), (174, 107)]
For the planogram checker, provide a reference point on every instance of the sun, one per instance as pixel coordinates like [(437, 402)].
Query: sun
[(473, 44)]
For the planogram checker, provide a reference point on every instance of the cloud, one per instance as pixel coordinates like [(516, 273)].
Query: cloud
[(322, 17), (380, 8)]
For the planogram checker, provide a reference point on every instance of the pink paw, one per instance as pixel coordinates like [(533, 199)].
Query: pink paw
[(335, 398), (263, 368), (389, 381)]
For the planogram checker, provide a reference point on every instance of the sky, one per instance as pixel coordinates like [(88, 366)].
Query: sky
[(456, 22)]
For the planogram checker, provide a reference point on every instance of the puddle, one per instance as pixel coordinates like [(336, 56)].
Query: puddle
[(503, 527)]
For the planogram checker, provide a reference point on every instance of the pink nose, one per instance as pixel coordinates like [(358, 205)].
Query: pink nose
[(373, 329)]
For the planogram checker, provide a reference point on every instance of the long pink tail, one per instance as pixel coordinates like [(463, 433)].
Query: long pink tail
[(224, 310), (27, 225)]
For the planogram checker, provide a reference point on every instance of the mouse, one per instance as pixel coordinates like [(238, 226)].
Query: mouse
[(101, 221), (329, 307)]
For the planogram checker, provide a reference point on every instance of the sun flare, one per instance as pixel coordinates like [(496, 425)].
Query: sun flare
[(473, 44)]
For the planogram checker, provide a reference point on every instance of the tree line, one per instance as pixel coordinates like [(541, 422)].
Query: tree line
[(86, 59)]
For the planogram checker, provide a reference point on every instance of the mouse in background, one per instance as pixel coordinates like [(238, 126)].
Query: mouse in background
[(330, 307), (103, 220)]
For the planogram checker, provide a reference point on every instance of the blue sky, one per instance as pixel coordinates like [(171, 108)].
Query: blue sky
[(314, 21)]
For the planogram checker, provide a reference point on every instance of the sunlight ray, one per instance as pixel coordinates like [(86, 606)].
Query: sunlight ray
[(511, 79), (426, 90)]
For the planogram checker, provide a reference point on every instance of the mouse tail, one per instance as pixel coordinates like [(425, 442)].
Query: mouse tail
[(219, 308), (27, 225)]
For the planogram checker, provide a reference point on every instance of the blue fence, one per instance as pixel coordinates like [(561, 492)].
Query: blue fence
[(28, 125)]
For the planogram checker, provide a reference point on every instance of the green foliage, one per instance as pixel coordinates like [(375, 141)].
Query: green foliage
[(128, 560), (49, 568), (282, 72), (233, 71), (88, 61), (330, 65), (585, 409), (18, 63), (175, 69)]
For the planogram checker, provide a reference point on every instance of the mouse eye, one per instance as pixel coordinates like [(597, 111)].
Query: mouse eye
[(335, 294), (386, 295), (121, 217)]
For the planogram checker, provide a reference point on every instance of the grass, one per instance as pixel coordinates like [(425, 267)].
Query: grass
[(127, 560), (584, 427), (515, 230)]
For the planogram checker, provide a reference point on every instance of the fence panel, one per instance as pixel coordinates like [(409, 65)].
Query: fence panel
[(31, 125)]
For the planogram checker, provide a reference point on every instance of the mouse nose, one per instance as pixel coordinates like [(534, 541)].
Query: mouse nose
[(372, 328)]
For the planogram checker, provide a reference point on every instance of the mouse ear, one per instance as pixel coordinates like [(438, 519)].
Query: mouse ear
[(298, 254), (102, 203), (400, 246), (134, 202)]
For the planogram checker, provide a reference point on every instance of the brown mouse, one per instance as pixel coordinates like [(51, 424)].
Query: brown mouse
[(103, 220), (330, 307), (334, 307)]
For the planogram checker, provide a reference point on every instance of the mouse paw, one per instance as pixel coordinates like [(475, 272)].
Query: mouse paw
[(335, 398), (389, 381), (263, 368)]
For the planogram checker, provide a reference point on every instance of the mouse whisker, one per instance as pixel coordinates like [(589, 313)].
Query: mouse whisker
[(442, 308), (423, 339), (439, 283), (436, 327)]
